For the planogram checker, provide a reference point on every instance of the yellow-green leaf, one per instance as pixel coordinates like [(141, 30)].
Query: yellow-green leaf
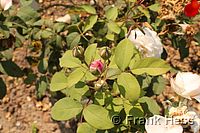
[(128, 86), (98, 117), (123, 54), (65, 109), (151, 66)]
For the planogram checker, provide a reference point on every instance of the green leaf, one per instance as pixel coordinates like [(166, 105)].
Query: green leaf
[(65, 109), (197, 37), (112, 13), (144, 11), (73, 39), (159, 84), (90, 53), (75, 77), (112, 73), (58, 81), (112, 62), (128, 86), (18, 22), (2, 88), (118, 101), (47, 33), (78, 91), (27, 13), (155, 7), (25, 2), (90, 23), (115, 90), (86, 128), (58, 27), (110, 36), (43, 65), (135, 110), (151, 66), (152, 105), (30, 78), (69, 61), (58, 41), (41, 86), (100, 98), (134, 60), (123, 54), (98, 117), (113, 27), (10, 68), (88, 75), (114, 108), (89, 9)]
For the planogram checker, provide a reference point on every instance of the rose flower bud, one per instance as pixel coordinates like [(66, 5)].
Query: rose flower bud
[(78, 52), (6, 4), (192, 9), (96, 66), (105, 53), (187, 85)]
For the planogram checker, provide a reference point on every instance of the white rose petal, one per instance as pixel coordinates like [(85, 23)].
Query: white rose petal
[(6, 4), (149, 43), (65, 19), (184, 26), (187, 84), (196, 126), (160, 124)]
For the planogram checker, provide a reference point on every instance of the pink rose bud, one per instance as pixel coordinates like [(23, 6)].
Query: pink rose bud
[(96, 65)]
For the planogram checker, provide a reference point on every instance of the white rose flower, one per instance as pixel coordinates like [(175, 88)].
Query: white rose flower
[(149, 43), (64, 19), (184, 116), (160, 124), (6, 4), (187, 85)]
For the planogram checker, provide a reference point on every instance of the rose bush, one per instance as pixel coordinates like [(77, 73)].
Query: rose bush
[(96, 64)]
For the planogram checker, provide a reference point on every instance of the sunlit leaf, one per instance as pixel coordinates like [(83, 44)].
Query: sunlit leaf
[(151, 66), (90, 23), (69, 61), (90, 53), (86, 128), (89, 9), (123, 54), (128, 86), (65, 109), (58, 81), (98, 117), (112, 13)]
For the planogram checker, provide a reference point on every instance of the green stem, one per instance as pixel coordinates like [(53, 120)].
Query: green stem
[(82, 34)]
